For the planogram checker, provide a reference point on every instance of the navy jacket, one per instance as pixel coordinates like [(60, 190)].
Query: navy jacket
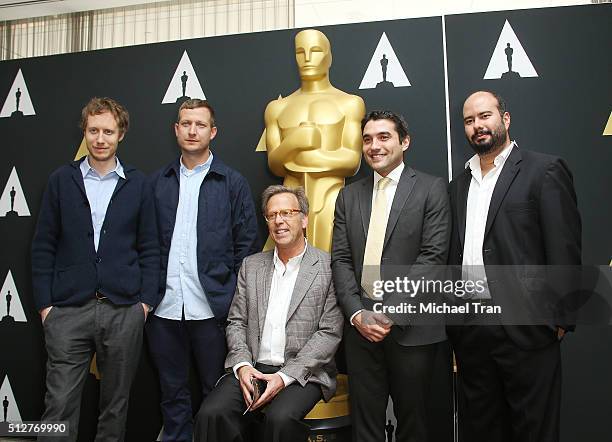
[(226, 228), (66, 270)]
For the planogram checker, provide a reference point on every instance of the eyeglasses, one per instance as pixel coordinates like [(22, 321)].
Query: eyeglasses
[(285, 214)]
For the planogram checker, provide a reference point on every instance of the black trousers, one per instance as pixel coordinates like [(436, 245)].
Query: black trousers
[(379, 369), (220, 418), (508, 394), (171, 344), (72, 335)]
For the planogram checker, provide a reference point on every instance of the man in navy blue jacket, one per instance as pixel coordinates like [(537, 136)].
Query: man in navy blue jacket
[(207, 225), (95, 269)]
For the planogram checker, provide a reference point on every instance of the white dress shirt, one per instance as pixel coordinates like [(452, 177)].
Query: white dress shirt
[(272, 344), (184, 292), (394, 177), (478, 202)]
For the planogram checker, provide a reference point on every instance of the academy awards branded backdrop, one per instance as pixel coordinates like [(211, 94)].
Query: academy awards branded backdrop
[(552, 65)]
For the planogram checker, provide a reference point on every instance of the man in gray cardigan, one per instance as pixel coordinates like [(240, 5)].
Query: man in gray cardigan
[(284, 329)]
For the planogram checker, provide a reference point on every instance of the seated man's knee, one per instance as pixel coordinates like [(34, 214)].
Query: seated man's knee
[(279, 418), (210, 410)]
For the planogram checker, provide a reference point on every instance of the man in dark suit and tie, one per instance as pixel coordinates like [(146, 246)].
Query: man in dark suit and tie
[(397, 216), (511, 207), (284, 328)]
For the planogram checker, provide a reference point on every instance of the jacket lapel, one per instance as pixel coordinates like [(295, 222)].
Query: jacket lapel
[(167, 193), (463, 187), (122, 182), (264, 282), (119, 186), (305, 278), (403, 191), (365, 203), (77, 177), (507, 175)]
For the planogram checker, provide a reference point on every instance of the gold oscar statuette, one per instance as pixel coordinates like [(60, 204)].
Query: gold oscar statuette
[(313, 136)]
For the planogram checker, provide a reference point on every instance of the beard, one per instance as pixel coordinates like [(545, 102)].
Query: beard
[(497, 138)]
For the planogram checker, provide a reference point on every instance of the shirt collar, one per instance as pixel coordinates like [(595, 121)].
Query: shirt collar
[(293, 263), (199, 168), (86, 168), (394, 175), (474, 162)]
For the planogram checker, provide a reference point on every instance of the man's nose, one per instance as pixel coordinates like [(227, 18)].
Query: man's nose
[(308, 55), (192, 128), (478, 123), (100, 138), (278, 219)]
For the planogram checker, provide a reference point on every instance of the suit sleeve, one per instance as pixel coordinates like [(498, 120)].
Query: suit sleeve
[(236, 331), (321, 348), (435, 236), (562, 241), (44, 245), (244, 222), (562, 228), (148, 248), (343, 269)]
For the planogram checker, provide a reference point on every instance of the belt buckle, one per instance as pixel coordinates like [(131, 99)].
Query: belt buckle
[(100, 297)]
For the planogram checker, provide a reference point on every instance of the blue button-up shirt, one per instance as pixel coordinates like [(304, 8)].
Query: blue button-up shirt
[(99, 190), (184, 293)]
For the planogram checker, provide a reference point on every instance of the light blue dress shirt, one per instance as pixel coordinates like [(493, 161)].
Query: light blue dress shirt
[(184, 293), (99, 191)]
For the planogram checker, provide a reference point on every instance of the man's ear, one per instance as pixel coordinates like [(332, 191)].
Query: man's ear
[(406, 143)]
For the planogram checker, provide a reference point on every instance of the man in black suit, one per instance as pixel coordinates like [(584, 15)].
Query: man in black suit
[(397, 216), (510, 207)]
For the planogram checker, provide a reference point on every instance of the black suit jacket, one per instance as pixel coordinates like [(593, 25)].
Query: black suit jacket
[(418, 232), (533, 220)]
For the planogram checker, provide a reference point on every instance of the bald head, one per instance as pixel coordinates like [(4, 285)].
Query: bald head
[(500, 102)]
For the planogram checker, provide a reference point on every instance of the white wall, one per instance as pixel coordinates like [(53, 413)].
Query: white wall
[(327, 12)]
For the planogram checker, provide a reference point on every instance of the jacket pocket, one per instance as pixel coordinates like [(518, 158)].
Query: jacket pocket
[(130, 279), (523, 206), (71, 279)]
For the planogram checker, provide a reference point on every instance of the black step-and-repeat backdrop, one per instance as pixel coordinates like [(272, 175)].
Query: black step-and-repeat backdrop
[(552, 65)]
